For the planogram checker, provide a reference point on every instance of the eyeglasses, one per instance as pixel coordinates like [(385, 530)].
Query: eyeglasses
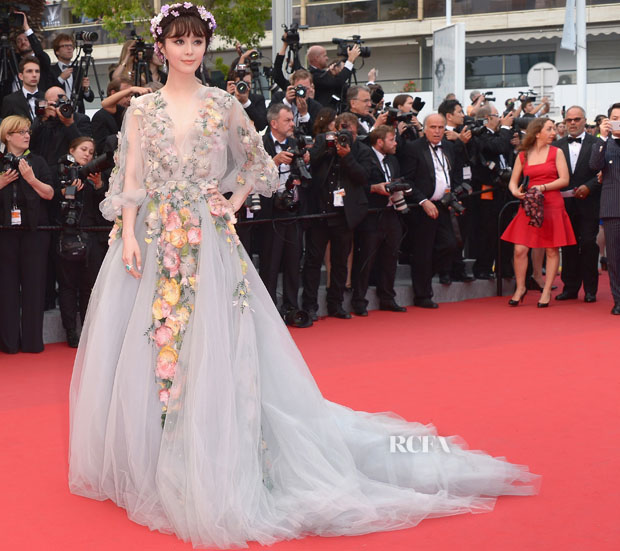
[(576, 119), (493, 115), (65, 45), (22, 132)]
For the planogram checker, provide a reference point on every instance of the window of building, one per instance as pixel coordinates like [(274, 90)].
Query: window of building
[(501, 71)]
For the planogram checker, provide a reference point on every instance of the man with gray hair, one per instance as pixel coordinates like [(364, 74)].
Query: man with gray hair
[(582, 199), (360, 104)]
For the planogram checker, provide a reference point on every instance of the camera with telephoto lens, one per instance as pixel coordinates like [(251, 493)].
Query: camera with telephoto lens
[(452, 199), (87, 36), (63, 104), (475, 126), (288, 199), (394, 116), (141, 50), (488, 96), (8, 161), (70, 206), (241, 85), (397, 189), (253, 203), (344, 138), (527, 96), (344, 45)]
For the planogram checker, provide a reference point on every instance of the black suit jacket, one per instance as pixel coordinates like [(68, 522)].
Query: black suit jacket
[(313, 109), (489, 146), (352, 175), (417, 167), (16, 104), (326, 84), (87, 96), (606, 157), (257, 111)]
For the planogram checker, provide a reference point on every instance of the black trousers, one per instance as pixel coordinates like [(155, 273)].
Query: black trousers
[(380, 245), (23, 264), (486, 238), (281, 250), (434, 248), (580, 261), (317, 236), (76, 281), (611, 226)]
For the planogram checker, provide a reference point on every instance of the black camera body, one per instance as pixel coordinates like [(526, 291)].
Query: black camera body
[(291, 35), (10, 20), (64, 105), (86, 36), (301, 91), (141, 50), (475, 126), (289, 199), (344, 45), (8, 161), (343, 137), (417, 106), (451, 201)]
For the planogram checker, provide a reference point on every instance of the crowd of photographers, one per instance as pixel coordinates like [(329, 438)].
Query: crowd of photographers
[(372, 185)]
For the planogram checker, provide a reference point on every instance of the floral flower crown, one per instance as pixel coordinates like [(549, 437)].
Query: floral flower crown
[(174, 10)]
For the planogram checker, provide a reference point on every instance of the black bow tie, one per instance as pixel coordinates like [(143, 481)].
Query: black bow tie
[(576, 140), (436, 147), (283, 145), (28, 96)]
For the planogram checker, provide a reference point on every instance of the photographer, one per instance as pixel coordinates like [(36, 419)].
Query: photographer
[(298, 97), (79, 201), (278, 75), (281, 244), (529, 109), (22, 102), (64, 46), (53, 131), (379, 234), (491, 173), (109, 119), (133, 52), (407, 105), (26, 45), (239, 84), (326, 83), (431, 166), (25, 184), (338, 183), (358, 99)]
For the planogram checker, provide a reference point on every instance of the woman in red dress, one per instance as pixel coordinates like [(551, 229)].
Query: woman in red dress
[(548, 173)]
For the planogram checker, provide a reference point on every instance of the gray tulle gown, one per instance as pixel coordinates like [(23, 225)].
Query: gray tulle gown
[(191, 406)]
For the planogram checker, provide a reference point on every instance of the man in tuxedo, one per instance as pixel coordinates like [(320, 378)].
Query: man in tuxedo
[(606, 158), (305, 108), (494, 152), (327, 84), (282, 242), (430, 165), (22, 102), (582, 199), (62, 71), (338, 181), (379, 234), (254, 104), (360, 104)]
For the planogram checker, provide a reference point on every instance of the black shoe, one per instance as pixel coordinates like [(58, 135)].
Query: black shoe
[(341, 313), (73, 338), (544, 304), (425, 303), (445, 279), (566, 296), (616, 309), (361, 311), (590, 297), (484, 275), (513, 302), (313, 315), (392, 307), (466, 278)]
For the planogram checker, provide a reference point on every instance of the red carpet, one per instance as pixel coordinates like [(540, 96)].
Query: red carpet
[(539, 387)]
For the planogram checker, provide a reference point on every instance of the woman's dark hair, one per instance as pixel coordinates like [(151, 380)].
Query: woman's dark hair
[(323, 118), (188, 22), (535, 127)]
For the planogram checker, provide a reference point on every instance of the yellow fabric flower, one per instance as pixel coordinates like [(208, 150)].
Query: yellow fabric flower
[(173, 324), (178, 238), (171, 291)]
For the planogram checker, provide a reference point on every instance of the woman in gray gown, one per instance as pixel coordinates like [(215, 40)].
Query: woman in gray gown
[(191, 406)]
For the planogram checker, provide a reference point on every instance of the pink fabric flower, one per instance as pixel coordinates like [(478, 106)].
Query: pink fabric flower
[(163, 335), (194, 236), (166, 363), (164, 396), (172, 261), (173, 221)]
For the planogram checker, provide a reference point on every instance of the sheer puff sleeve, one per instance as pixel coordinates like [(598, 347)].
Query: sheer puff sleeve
[(248, 164), (127, 178)]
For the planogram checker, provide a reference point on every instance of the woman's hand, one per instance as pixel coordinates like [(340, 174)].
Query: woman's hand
[(131, 252), (26, 171), (96, 180), (7, 177), (78, 185), (517, 193), (218, 202)]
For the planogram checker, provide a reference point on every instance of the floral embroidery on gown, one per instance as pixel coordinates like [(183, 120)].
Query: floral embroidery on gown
[(191, 406)]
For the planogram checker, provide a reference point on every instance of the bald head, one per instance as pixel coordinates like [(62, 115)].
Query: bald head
[(53, 93), (434, 127), (317, 57)]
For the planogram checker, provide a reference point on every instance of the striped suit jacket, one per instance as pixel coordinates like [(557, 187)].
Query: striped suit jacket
[(606, 157)]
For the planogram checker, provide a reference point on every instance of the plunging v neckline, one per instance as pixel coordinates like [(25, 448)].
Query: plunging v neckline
[(172, 126)]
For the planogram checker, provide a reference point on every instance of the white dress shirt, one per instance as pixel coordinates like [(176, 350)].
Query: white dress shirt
[(573, 150), (442, 172)]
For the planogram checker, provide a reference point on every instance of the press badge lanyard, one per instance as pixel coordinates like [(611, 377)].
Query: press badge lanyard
[(441, 164), (16, 213)]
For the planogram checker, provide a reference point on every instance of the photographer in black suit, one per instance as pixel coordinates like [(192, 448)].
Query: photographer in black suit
[(299, 96), (282, 242), (338, 181), (494, 152), (326, 82), (582, 199), (22, 102), (379, 234), (239, 84), (430, 165)]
